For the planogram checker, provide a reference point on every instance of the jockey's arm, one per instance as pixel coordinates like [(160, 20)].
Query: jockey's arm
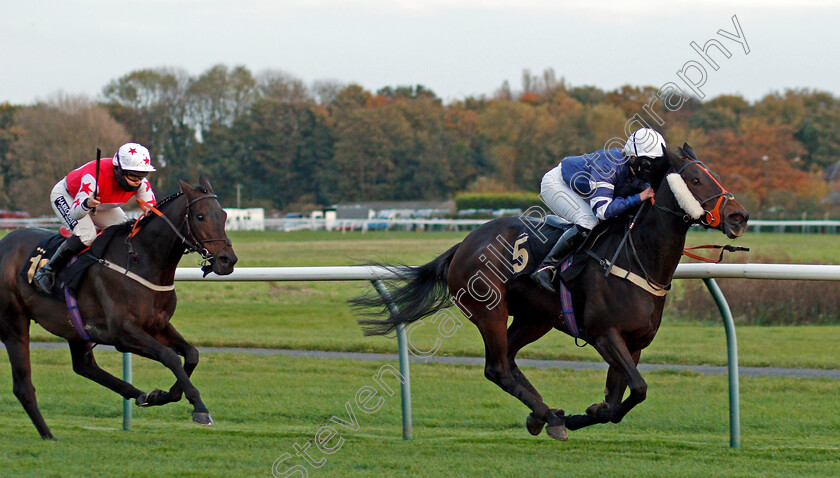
[(145, 193), (605, 206), (81, 205)]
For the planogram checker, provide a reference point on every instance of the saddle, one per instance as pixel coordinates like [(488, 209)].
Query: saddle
[(538, 244), (71, 276)]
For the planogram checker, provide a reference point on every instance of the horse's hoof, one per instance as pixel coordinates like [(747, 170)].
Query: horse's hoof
[(203, 418), (142, 400), (534, 425), (594, 409), (558, 432)]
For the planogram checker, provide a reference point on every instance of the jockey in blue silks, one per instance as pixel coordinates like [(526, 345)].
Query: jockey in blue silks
[(581, 190)]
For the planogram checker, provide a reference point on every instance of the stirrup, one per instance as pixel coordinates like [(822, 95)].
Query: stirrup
[(545, 283), (42, 277), (541, 269)]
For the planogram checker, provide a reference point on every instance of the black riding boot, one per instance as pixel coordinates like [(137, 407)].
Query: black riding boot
[(568, 242), (45, 277)]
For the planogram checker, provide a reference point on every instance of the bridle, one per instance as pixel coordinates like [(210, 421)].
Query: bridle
[(191, 241), (196, 244), (712, 217)]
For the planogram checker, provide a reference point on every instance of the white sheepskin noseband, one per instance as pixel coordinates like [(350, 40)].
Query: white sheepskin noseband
[(685, 199)]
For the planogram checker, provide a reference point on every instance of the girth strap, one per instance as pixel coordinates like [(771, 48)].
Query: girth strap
[(135, 277), (637, 280), (634, 278)]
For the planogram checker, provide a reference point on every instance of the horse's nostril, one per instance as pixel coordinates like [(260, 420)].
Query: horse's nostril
[(738, 218)]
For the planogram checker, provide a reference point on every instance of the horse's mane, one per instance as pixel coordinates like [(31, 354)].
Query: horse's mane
[(128, 225)]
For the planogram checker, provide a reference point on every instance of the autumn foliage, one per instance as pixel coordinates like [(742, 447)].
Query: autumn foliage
[(290, 144)]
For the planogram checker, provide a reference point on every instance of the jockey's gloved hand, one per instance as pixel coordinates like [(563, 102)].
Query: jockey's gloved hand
[(91, 203)]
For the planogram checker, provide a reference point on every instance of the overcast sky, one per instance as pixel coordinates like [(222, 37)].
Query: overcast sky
[(457, 48)]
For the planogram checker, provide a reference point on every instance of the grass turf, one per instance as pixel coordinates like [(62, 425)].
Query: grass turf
[(314, 315), (464, 425)]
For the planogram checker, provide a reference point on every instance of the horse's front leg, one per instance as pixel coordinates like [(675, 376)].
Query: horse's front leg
[(135, 340), (623, 371), (171, 338)]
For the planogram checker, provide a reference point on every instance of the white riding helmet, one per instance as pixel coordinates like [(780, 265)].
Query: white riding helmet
[(134, 157), (644, 142)]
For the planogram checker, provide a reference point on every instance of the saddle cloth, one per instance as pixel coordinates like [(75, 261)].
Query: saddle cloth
[(71, 276)]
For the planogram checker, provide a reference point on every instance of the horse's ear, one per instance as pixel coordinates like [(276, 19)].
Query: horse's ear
[(185, 187), (674, 160), (689, 152), (205, 183)]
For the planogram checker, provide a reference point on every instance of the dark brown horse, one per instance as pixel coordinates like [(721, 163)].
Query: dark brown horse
[(118, 310), (616, 316)]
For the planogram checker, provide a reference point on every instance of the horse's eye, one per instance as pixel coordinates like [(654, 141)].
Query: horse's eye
[(200, 217), (695, 182)]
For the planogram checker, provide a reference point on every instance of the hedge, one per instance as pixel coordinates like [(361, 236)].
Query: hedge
[(497, 200)]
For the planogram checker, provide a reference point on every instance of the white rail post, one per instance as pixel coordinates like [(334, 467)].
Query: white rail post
[(405, 388)]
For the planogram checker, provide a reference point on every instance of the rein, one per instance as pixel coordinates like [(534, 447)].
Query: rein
[(191, 242), (729, 248), (711, 218)]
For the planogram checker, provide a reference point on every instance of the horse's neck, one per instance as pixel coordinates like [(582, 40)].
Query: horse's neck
[(158, 246), (659, 237)]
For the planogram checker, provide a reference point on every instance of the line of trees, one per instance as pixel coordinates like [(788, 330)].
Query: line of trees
[(294, 146)]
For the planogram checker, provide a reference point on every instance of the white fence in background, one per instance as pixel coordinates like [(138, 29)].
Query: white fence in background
[(251, 221), (342, 273)]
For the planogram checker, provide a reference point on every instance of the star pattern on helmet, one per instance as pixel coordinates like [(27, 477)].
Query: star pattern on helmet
[(86, 188), (132, 151), (146, 160)]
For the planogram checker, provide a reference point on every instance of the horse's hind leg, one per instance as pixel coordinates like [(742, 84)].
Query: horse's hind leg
[(519, 334), (493, 328), (137, 341), (171, 338), (85, 365), (14, 331)]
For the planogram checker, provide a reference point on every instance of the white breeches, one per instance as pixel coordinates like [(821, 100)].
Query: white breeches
[(564, 202), (85, 228)]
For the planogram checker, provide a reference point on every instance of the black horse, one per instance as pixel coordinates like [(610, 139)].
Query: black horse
[(119, 310), (617, 316)]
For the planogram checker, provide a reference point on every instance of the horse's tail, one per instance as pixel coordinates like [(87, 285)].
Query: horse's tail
[(417, 292)]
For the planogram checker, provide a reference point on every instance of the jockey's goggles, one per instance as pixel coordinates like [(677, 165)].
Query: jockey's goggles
[(135, 175)]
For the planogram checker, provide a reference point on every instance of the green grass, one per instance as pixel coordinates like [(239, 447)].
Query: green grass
[(314, 315), (463, 424)]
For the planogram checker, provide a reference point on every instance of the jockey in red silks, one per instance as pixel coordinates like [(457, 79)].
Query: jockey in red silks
[(74, 197)]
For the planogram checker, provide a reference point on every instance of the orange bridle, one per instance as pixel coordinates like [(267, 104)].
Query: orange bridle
[(715, 215)]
